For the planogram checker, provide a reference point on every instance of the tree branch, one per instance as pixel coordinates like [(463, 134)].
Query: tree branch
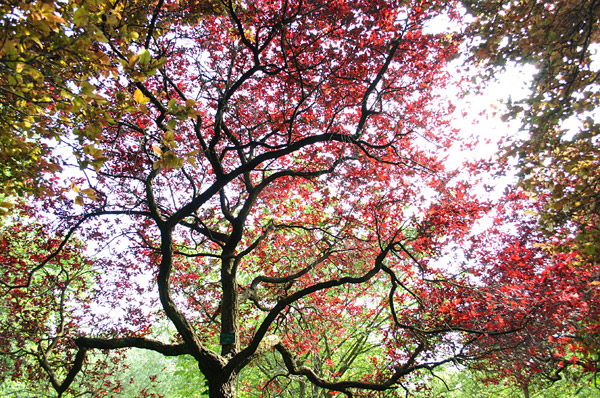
[(132, 342)]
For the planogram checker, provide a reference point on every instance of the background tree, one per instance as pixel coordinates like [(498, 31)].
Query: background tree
[(39, 321), (46, 62), (50, 60), (151, 374), (558, 159), (452, 382)]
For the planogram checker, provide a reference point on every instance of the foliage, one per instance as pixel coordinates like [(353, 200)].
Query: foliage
[(451, 382), (45, 62), (333, 344), (150, 374), (51, 64), (40, 320), (558, 160), (268, 178), (558, 289), (560, 38)]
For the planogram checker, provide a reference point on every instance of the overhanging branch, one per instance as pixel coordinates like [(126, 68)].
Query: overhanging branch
[(132, 342)]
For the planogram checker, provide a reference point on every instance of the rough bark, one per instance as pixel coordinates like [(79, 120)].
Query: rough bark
[(229, 308), (222, 386)]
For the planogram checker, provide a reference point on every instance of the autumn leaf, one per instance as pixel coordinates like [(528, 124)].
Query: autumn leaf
[(144, 57), (140, 98)]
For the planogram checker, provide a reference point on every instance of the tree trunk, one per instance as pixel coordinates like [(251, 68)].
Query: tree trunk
[(222, 388), (526, 391), (229, 307)]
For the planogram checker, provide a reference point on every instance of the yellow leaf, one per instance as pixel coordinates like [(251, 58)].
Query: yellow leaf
[(74, 187), (192, 160), (79, 200), (169, 136), (7, 205), (35, 74), (90, 193), (81, 16), (156, 149), (99, 162), (37, 41), (160, 63), (191, 157), (99, 36), (133, 60), (55, 19), (171, 161), (139, 97)]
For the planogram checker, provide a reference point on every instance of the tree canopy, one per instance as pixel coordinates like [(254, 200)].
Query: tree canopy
[(558, 157), (269, 179)]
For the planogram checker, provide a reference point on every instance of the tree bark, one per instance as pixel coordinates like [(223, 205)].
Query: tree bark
[(526, 391), (222, 387), (229, 307)]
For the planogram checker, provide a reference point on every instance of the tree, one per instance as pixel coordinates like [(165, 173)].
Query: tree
[(452, 382), (46, 61), (150, 374), (558, 160), (522, 271), (37, 326), (559, 157), (252, 171)]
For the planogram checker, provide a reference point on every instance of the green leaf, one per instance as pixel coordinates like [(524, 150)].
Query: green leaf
[(144, 57), (81, 16)]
